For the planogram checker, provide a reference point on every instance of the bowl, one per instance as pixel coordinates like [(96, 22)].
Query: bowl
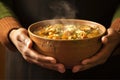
[(67, 52)]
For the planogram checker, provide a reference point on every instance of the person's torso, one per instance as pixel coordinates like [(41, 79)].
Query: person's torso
[(29, 11)]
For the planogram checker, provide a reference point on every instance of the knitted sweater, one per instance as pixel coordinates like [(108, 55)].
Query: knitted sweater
[(7, 22), (18, 68)]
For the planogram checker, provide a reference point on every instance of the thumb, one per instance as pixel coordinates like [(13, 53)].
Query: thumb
[(105, 39), (27, 39), (28, 42)]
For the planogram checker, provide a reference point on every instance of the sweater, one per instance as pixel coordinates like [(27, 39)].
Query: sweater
[(19, 13)]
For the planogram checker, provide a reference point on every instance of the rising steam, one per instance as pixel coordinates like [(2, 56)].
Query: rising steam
[(63, 9)]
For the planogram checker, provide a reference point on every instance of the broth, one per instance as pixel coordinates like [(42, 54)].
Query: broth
[(68, 31)]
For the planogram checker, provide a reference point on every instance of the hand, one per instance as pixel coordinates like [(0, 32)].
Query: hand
[(110, 41), (24, 44)]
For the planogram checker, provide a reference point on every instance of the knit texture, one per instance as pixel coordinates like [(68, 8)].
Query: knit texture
[(7, 24)]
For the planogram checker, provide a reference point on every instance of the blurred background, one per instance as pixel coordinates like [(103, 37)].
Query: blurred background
[(2, 62)]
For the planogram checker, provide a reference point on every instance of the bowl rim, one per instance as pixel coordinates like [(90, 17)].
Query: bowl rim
[(81, 20)]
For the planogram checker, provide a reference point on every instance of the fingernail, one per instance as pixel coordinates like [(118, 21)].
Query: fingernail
[(84, 62), (76, 69), (61, 69)]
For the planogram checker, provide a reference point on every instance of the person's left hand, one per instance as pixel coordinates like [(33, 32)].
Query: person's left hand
[(110, 41)]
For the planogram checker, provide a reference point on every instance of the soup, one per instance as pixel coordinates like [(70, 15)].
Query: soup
[(68, 31)]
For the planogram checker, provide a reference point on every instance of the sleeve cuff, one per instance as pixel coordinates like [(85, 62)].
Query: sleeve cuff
[(6, 25)]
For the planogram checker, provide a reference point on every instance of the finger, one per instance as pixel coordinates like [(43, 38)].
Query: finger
[(39, 57), (22, 36), (104, 39), (29, 52), (77, 68), (28, 42), (100, 57), (57, 67), (82, 67), (23, 46), (24, 39)]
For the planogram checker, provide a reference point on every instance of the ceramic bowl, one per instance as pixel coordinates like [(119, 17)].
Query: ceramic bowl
[(67, 52)]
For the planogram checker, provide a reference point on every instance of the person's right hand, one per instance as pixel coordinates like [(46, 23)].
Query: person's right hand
[(24, 44)]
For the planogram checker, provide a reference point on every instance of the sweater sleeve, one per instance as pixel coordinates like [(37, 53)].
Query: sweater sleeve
[(116, 20), (7, 23), (5, 11), (117, 13)]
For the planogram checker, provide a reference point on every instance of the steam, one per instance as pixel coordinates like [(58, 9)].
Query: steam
[(63, 9)]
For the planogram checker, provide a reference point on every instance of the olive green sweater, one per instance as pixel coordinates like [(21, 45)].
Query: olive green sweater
[(5, 10)]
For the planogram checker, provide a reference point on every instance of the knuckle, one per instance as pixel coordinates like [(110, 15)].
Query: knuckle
[(37, 59), (42, 65), (40, 59), (25, 52), (20, 31), (26, 58)]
